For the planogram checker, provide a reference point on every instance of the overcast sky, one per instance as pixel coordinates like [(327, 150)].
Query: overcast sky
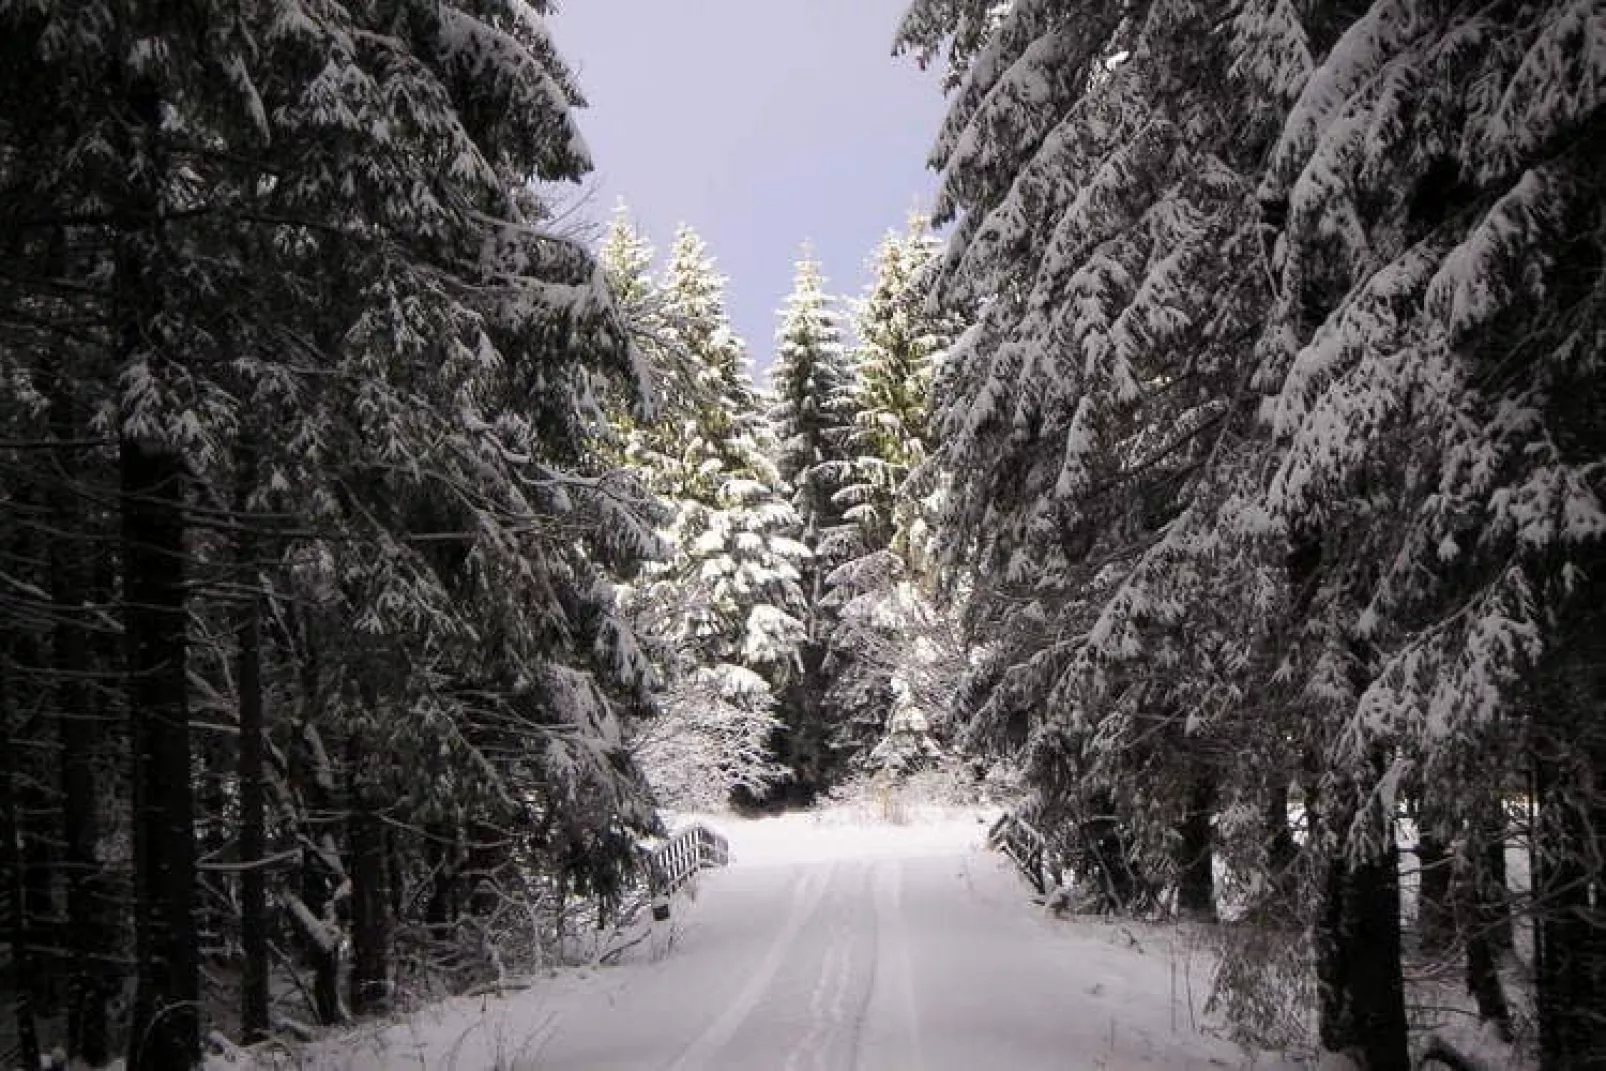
[(760, 123)]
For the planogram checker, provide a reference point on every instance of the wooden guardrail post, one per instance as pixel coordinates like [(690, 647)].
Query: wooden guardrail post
[(672, 863), (1028, 849)]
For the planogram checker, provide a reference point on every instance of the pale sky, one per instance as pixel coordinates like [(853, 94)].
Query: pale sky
[(760, 123)]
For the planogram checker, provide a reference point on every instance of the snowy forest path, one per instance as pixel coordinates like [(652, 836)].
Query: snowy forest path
[(886, 963)]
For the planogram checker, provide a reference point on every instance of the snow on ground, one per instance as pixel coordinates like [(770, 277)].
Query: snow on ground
[(848, 832), (836, 940)]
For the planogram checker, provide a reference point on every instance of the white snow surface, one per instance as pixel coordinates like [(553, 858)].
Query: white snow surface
[(836, 941)]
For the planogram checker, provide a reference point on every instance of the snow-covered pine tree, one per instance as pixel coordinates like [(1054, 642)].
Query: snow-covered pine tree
[(325, 222), (811, 379), (722, 610), (460, 437), (1099, 427), (1375, 603), (1433, 353), (886, 623), (1092, 421), (901, 338)]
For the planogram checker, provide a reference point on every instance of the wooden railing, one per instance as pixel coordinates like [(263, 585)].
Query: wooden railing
[(1029, 849), (672, 863)]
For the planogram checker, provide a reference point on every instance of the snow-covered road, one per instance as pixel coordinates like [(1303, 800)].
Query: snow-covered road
[(914, 952), (835, 942)]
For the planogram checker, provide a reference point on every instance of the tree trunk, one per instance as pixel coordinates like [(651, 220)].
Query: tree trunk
[(11, 831), (320, 863), (250, 770), (252, 776), (80, 735), (1362, 1000), (1571, 968), (1570, 835), (370, 896), (1489, 873), (1196, 889), (1483, 916), (440, 852), (1372, 916), (165, 1024), (80, 726), (1480, 915), (1281, 849), (1435, 920)]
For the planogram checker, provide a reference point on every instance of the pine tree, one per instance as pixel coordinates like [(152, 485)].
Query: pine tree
[(300, 275), (1106, 251), (721, 609), (1438, 174), (900, 342), (811, 380), (886, 624), (1373, 225)]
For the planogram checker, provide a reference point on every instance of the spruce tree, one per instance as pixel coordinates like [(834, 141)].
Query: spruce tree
[(886, 624), (346, 379), (811, 381), (721, 610), (1252, 440)]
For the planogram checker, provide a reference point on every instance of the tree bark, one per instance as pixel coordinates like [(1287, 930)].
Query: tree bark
[(251, 774), (370, 895), (164, 1029), (1281, 849), (11, 830), (1196, 889), (1435, 920), (320, 861), (80, 724), (1487, 870), (1571, 968), (1569, 755), (1362, 989)]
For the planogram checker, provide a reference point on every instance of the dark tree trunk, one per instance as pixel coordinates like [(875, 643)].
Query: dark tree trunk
[(370, 895), (1107, 856), (1570, 835), (1335, 1018), (320, 869), (80, 734), (1435, 919), (11, 829), (1281, 849), (1483, 916), (38, 854), (440, 851), (1196, 889), (1362, 989), (1480, 922), (1489, 871), (1372, 910), (252, 775), (311, 809), (164, 1029), (80, 727), (1571, 968)]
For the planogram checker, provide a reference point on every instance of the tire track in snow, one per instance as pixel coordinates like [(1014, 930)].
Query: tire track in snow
[(827, 1001), (805, 900), (892, 1030)]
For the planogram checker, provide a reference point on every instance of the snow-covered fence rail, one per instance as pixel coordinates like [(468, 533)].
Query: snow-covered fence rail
[(672, 863), (1029, 849)]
